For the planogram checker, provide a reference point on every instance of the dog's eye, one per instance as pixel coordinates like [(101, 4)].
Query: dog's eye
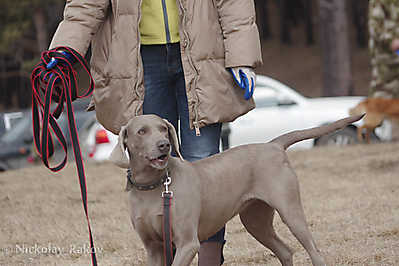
[(141, 131)]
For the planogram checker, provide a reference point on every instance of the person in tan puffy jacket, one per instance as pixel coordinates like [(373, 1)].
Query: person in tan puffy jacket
[(191, 62)]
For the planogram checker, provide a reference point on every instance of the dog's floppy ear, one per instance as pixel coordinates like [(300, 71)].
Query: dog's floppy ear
[(118, 154), (173, 138)]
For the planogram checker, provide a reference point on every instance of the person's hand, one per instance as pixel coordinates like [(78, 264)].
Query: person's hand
[(53, 62), (50, 65), (395, 45), (245, 79)]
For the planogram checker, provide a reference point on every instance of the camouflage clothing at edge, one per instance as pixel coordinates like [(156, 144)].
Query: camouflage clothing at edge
[(383, 28)]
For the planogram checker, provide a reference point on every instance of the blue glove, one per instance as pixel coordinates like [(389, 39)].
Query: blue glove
[(53, 62), (245, 79)]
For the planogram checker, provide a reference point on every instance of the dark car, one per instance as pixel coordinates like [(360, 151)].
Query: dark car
[(17, 143)]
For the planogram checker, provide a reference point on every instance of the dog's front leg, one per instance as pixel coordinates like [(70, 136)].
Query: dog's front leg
[(360, 133), (187, 243), (186, 253), (154, 253)]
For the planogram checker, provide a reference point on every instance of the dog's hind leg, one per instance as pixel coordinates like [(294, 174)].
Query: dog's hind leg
[(287, 202), (368, 133), (295, 220), (258, 220), (360, 133)]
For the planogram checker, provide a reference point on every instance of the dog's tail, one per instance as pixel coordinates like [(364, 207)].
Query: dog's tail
[(290, 138)]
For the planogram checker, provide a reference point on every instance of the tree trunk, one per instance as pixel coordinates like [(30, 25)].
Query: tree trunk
[(334, 40), (359, 14), (262, 18), (285, 29), (39, 19), (308, 16)]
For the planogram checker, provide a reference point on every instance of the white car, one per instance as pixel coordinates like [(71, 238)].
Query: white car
[(280, 109)]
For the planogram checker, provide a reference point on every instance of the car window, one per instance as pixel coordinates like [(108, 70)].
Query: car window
[(265, 97), (273, 97)]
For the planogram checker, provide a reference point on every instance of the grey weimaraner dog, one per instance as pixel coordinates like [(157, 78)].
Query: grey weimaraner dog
[(250, 180)]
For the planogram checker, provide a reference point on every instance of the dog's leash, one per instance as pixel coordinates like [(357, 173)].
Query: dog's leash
[(56, 78), (167, 196)]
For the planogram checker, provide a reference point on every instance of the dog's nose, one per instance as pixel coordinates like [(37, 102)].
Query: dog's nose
[(163, 145)]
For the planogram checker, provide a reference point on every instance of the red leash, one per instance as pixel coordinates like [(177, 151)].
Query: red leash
[(167, 230), (167, 196), (59, 84)]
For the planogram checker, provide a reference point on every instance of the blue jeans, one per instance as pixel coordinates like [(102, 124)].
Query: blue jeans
[(165, 96)]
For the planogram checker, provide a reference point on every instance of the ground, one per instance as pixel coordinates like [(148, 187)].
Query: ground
[(349, 195)]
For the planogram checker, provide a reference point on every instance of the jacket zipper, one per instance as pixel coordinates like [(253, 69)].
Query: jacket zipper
[(166, 21), (190, 60)]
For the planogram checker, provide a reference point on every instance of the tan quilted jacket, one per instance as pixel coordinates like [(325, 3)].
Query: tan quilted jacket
[(214, 34)]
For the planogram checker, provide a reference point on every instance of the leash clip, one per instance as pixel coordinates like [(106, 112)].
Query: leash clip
[(167, 182)]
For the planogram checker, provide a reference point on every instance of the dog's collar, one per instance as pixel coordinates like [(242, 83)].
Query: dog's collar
[(145, 186)]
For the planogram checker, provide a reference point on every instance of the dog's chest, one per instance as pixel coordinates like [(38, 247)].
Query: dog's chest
[(147, 215)]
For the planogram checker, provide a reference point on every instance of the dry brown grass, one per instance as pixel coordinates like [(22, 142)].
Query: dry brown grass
[(350, 196)]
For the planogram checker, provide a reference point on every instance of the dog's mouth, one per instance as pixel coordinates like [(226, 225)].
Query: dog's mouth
[(160, 161)]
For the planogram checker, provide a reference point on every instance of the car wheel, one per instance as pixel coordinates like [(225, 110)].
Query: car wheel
[(345, 136), (3, 167)]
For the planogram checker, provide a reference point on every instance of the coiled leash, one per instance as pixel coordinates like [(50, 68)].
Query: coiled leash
[(55, 78)]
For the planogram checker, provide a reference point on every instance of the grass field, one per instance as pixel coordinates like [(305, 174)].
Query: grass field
[(350, 197)]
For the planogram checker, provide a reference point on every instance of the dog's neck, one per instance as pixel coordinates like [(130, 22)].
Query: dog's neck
[(148, 176), (145, 184)]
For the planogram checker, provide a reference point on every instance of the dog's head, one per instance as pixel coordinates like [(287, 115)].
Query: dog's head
[(145, 141)]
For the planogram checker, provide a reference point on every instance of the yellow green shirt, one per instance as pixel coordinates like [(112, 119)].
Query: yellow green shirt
[(159, 22)]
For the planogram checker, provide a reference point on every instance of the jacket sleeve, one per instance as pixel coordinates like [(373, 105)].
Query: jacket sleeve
[(240, 33), (82, 19)]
